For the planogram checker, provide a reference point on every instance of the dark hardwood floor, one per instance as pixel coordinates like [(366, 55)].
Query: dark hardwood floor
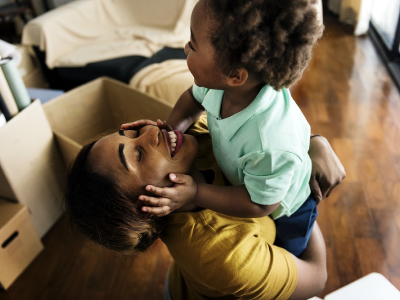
[(348, 96)]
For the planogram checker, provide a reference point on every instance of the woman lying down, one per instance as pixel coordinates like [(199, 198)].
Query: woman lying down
[(215, 256)]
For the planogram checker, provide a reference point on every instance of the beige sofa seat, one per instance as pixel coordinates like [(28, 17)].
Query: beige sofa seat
[(166, 80)]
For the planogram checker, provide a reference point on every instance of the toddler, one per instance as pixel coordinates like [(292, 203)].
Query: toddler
[(244, 55)]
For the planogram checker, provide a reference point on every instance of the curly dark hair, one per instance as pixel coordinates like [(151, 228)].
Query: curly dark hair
[(271, 39), (104, 212)]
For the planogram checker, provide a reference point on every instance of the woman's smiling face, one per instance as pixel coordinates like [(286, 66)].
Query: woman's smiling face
[(138, 158)]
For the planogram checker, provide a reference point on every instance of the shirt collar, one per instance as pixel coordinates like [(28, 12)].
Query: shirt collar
[(212, 102), (229, 126)]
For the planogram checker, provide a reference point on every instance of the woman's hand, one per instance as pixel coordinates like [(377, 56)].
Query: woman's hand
[(144, 122), (170, 198), (327, 170)]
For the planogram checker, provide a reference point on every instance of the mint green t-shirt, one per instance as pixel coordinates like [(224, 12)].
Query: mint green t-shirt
[(265, 146)]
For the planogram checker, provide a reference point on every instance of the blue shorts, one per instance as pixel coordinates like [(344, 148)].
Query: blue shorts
[(293, 233)]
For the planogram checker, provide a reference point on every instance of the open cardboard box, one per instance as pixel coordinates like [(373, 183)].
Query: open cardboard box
[(98, 107), (32, 171)]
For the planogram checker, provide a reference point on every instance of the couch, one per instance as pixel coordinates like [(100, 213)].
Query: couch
[(87, 39)]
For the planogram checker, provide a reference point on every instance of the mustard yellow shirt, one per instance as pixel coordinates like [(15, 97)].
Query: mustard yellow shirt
[(221, 257)]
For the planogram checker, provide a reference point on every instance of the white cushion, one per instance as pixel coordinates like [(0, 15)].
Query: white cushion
[(371, 287)]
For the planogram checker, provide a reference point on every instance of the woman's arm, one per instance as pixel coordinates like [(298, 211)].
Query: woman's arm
[(327, 170), (311, 267)]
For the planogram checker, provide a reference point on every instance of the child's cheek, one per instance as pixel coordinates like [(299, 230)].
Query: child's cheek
[(190, 64)]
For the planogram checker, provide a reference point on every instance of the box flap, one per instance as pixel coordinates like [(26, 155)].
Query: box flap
[(33, 166), (97, 108), (69, 148), (79, 113)]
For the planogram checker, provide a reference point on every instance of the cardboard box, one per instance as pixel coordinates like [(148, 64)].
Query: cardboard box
[(19, 242), (98, 107), (32, 171)]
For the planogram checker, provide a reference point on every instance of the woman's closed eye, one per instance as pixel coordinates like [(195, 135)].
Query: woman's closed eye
[(122, 151), (130, 134), (134, 134)]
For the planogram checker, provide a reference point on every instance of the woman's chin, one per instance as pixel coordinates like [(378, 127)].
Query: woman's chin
[(189, 148)]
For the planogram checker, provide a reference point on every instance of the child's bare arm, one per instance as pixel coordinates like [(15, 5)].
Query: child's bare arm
[(230, 200), (185, 112)]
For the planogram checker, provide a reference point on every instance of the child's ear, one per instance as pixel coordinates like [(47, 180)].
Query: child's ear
[(238, 77)]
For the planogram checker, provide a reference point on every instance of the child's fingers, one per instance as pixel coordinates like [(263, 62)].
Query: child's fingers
[(138, 123), (164, 125), (179, 178), (162, 192), (155, 201), (158, 211), (131, 125), (160, 123), (159, 206)]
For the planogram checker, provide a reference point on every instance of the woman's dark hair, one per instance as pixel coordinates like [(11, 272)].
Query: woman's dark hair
[(272, 39), (104, 212)]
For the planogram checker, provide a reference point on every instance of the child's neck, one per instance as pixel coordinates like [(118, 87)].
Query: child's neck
[(237, 98)]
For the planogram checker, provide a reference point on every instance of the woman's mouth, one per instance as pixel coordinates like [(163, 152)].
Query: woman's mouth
[(175, 141)]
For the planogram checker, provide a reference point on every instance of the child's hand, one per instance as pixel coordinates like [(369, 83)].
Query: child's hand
[(145, 122), (137, 124), (170, 198)]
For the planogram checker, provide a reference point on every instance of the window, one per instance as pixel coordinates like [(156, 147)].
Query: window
[(385, 33), (385, 17)]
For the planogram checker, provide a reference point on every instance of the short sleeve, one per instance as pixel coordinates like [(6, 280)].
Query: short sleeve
[(250, 268), (269, 175), (199, 93)]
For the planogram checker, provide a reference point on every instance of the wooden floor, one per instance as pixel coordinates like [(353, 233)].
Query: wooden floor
[(347, 96)]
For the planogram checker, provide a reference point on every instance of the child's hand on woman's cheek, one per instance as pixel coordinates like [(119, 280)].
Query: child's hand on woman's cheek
[(170, 198)]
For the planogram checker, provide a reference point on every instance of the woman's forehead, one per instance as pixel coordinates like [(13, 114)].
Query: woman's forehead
[(102, 148)]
